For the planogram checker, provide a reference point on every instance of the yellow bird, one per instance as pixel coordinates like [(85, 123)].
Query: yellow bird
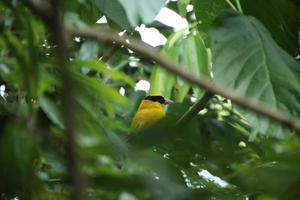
[(149, 111)]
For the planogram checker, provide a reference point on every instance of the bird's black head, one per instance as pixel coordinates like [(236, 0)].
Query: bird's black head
[(158, 98)]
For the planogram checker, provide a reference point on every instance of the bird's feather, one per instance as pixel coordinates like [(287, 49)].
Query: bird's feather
[(148, 113)]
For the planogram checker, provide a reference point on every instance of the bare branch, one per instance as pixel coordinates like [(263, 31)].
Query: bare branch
[(105, 35)]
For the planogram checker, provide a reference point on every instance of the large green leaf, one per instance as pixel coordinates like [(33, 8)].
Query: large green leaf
[(114, 11), (162, 81), (281, 17), (206, 11), (141, 10), (196, 58), (246, 58), (191, 52), (193, 56)]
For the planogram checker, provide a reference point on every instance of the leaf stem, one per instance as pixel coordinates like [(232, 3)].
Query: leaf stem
[(194, 110), (239, 7), (231, 5)]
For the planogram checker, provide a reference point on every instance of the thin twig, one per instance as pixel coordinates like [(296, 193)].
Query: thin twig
[(108, 54), (105, 57), (194, 110), (105, 35)]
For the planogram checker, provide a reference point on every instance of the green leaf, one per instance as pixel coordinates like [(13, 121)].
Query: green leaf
[(181, 4), (162, 81), (246, 58), (86, 9), (193, 56), (106, 94), (73, 19), (143, 11), (191, 52), (181, 89), (88, 50), (18, 153), (281, 18), (52, 111), (99, 66), (114, 11), (206, 11), (196, 58)]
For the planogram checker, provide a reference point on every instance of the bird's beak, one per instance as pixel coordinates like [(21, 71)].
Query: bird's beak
[(168, 101)]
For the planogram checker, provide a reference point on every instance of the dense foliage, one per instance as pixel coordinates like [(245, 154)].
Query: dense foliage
[(65, 128)]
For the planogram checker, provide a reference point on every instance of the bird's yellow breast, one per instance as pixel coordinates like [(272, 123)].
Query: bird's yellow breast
[(148, 113)]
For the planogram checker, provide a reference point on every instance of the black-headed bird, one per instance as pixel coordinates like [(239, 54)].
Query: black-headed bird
[(150, 111)]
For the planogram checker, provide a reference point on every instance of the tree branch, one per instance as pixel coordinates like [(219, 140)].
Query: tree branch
[(194, 110), (105, 57), (105, 35)]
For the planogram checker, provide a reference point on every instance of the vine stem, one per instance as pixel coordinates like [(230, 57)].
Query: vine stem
[(107, 35)]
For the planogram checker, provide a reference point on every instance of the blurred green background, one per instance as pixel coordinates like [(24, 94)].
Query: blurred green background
[(65, 119)]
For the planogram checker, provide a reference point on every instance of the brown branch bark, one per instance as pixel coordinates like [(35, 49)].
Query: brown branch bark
[(152, 54)]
